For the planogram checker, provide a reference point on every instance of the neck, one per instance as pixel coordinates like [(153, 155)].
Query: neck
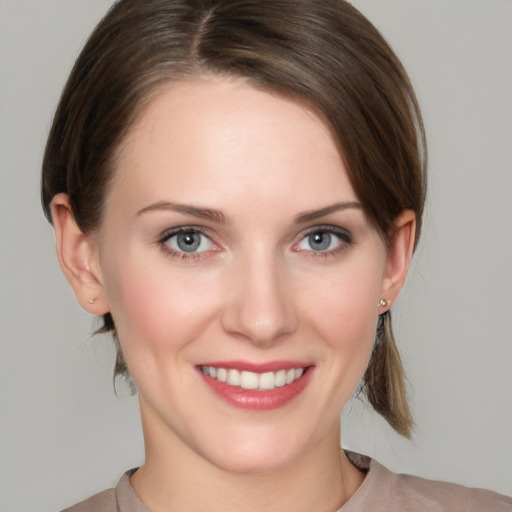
[(174, 477)]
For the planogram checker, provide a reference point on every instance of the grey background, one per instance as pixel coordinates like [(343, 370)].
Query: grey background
[(64, 433)]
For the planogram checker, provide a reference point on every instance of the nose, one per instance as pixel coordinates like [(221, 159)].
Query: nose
[(259, 307)]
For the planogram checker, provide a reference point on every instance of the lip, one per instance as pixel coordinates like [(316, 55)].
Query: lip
[(269, 366), (258, 400)]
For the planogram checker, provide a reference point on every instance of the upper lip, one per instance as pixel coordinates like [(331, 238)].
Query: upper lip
[(269, 366)]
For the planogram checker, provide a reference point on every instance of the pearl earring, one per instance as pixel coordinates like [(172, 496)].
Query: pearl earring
[(384, 302)]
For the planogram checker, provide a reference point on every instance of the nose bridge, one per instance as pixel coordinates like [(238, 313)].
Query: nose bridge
[(260, 308)]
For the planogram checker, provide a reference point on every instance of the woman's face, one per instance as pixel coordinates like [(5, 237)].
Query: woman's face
[(233, 247)]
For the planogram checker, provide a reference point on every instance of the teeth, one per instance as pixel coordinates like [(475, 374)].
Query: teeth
[(267, 380), (233, 377), (222, 374), (280, 378), (251, 380)]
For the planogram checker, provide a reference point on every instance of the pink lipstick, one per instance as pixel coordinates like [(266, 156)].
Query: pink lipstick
[(256, 386)]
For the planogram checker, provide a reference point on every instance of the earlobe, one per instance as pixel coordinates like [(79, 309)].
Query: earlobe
[(399, 255), (78, 257)]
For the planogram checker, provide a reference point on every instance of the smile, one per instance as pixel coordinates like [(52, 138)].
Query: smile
[(266, 381), (257, 387)]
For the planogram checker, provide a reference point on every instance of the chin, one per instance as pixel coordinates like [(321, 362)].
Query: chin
[(259, 453)]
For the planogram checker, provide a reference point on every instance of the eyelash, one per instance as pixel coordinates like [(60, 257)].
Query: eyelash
[(344, 237), (182, 255)]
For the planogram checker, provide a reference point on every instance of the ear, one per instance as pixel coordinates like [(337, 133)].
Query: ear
[(399, 256), (78, 257)]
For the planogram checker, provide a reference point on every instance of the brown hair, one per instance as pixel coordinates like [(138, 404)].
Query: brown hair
[(323, 53)]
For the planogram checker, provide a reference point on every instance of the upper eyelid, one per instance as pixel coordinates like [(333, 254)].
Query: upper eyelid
[(329, 228), (170, 232)]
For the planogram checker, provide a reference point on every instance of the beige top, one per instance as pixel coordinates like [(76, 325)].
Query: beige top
[(381, 491)]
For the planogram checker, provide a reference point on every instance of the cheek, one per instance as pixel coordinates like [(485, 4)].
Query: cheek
[(154, 309), (341, 310), (345, 315), (347, 308)]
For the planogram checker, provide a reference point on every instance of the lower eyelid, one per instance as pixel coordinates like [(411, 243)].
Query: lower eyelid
[(186, 257), (193, 256)]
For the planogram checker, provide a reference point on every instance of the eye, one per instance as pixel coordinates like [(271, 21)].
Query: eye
[(324, 240), (183, 241)]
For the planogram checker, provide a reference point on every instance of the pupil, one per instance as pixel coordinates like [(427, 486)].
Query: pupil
[(188, 242), (320, 241)]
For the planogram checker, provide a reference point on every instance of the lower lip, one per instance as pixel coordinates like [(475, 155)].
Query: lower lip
[(258, 400)]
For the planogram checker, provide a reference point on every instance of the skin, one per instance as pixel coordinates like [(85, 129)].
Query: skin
[(256, 290)]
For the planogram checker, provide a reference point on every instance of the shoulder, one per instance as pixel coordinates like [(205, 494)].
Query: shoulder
[(102, 502), (385, 490), (121, 499), (443, 496)]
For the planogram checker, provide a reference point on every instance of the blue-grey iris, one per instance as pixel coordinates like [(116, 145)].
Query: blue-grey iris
[(188, 242), (319, 241)]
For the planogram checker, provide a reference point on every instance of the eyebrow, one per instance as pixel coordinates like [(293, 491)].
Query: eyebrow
[(196, 211), (316, 214), (219, 217)]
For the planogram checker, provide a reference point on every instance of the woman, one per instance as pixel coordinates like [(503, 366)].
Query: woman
[(237, 189)]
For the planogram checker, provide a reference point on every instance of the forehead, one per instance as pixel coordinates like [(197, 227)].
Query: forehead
[(222, 137)]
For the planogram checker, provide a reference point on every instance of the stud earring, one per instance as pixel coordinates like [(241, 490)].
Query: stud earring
[(91, 300), (384, 302)]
